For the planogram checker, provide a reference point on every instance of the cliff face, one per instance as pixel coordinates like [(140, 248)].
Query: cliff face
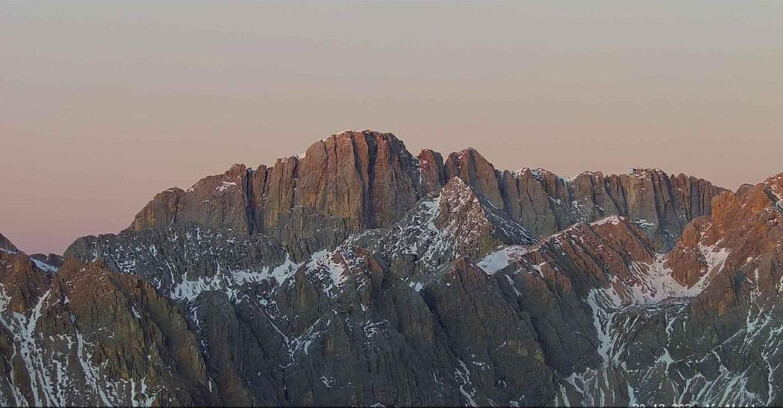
[(366, 178), (358, 274), (360, 180), (741, 242), (86, 335), (661, 205), (338, 327), (455, 304), (6, 244), (352, 180), (719, 317)]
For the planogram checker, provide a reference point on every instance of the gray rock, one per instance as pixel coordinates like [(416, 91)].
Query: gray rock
[(397, 280)]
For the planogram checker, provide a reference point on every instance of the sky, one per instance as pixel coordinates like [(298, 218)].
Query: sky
[(104, 104)]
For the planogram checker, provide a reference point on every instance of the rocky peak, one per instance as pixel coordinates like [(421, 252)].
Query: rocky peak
[(744, 231), (355, 180), (6, 244), (21, 282), (431, 169), (593, 255), (457, 221), (162, 210), (774, 185), (464, 210), (368, 179), (12, 255), (476, 171)]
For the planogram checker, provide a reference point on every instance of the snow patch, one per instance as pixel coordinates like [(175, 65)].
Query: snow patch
[(417, 286), (44, 266), (225, 185), (612, 219), (502, 258), (190, 289), (714, 259), (323, 264), (462, 376)]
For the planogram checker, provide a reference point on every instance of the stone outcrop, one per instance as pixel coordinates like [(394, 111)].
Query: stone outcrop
[(366, 178), (357, 274), (456, 222), (363, 180), (6, 244), (161, 211), (744, 229), (431, 169), (183, 260), (477, 172), (52, 260), (90, 336), (702, 341), (661, 205)]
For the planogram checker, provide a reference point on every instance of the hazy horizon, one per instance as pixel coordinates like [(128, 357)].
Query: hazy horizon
[(103, 105)]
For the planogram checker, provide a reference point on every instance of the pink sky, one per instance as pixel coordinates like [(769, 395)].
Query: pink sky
[(104, 105)]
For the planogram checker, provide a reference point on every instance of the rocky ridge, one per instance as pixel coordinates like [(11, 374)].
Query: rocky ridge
[(6, 244), (86, 335), (325, 298), (363, 180), (714, 338)]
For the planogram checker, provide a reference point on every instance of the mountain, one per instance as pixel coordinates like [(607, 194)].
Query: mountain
[(86, 335), (362, 180), (354, 181), (715, 335), (454, 222), (359, 274)]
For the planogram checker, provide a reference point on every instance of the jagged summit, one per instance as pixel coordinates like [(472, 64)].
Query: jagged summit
[(47, 263), (368, 179), (774, 185), (6, 244), (357, 273), (455, 222)]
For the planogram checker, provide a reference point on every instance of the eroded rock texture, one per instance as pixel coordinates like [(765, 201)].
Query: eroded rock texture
[(358, 274), (361, 180)]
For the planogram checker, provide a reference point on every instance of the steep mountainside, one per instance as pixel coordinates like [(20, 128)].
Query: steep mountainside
[(358, 180), (366, 179), (715, 336), (86, 335), (6, 244), (358, 274), (455, 222)]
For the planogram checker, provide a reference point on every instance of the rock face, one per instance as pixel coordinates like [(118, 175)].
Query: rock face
[(354, 181), (357, 274), (720, 316), (659, 204), (87, 335), (431, 169), (53, 260), (182, 260), (6, 244), (368, 179), (336, 328), (453, 223)]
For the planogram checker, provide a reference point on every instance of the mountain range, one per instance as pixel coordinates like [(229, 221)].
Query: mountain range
[(358, 273)]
